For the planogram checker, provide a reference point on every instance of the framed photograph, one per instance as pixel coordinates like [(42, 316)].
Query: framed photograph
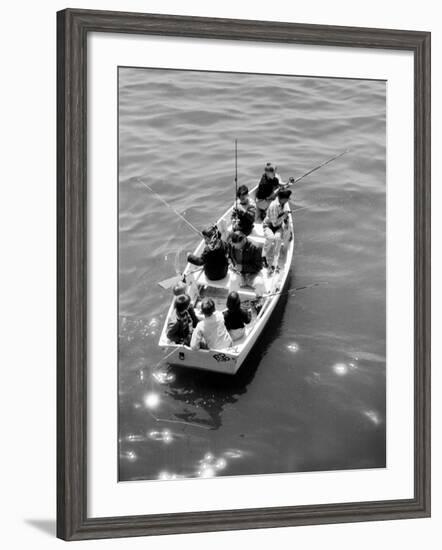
[(243, 274)]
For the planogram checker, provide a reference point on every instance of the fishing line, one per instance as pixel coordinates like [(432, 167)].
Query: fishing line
[(194, 424), (321, 165), (291, 291), (160, 198)]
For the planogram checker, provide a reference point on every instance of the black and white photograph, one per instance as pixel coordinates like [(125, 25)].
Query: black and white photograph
[(221, 222), (251, 274)]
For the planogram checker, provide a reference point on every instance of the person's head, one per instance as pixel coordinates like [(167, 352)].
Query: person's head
[(233, 301), (207, 307), (284, 195), (242, 193), (270, 170), (179, 289), (182, 303), (210, 233), (238, 239)]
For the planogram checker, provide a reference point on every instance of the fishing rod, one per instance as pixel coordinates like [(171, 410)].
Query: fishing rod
[(291, 291), (160, 198), (291, 182), (300, 208), (320, 166)]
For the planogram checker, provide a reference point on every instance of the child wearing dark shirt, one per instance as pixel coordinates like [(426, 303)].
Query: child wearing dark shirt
[(236, 317), (214, 255), (266, 192), (181, 325)]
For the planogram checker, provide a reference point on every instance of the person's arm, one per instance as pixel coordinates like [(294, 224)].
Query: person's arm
[(273, 194), (287, 210), (196, 338), (236, 210), (230, 257), (246, 315), (251, 212), (193, 316), (289, 223), (248, 214), (286, 185), (173, 331), (195, 260), (284, 215)]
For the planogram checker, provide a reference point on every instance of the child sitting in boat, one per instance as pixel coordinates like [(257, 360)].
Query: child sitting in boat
[(266, 191), (181, 326), (236, 317), (244, 211), (179, 289), (214, 255), (211, 332), (246, 263)]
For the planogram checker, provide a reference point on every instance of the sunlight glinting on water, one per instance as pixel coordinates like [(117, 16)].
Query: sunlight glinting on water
[(341, 369), (293, 347), (373, 417), (163, 377), (164, 435), (152, 400)]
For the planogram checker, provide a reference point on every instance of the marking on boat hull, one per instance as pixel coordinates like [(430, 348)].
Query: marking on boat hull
[(221, 357)]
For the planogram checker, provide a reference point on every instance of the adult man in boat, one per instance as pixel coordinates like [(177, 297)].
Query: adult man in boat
[(244, 211), (267, 189), (277, 229), (246, 264), (211, 332), (214, 256)]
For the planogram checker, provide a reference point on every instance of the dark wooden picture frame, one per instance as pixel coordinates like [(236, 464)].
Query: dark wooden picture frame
[(73, 27)]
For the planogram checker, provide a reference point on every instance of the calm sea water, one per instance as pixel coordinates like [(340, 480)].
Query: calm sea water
[(312, 395)]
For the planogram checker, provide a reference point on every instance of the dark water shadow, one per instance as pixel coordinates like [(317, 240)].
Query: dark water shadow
[(47, 526), (210, 391)]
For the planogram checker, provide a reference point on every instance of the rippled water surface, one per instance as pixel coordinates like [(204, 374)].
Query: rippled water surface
[(312, 394)]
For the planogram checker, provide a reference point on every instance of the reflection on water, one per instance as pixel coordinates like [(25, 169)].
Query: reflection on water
[(164, 435), (209, 466), (293, 347), (340, 369), (311, 395), (373, 416), (152, 400)]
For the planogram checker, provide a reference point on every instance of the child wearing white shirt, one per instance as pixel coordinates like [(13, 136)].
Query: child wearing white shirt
[(211, 331)]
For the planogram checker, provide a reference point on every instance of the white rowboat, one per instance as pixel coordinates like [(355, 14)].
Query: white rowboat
[(229, 360)]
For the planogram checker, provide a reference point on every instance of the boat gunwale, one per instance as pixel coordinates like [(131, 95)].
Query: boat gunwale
[(261, 319)]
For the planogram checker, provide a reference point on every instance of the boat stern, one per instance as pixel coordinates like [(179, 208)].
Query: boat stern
[(222, 361)]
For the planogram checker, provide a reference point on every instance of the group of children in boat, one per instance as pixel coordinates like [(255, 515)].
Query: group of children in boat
[(211, 329), (224, 248)]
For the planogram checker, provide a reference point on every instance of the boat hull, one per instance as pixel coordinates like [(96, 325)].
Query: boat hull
[(229, 361)]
